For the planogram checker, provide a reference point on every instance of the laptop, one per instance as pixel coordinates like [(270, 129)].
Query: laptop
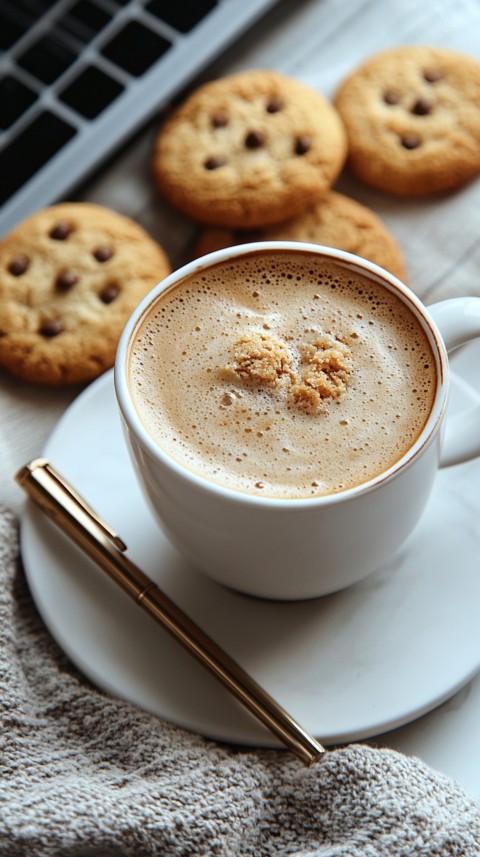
[(79, 77)]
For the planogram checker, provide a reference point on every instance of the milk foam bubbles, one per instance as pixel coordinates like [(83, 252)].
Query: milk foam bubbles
[(247, 430)]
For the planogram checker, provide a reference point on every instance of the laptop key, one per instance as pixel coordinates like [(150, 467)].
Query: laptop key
[(45, 5), (91, 92), (84, 20), (15, 99), (33, 9), (182, 16), (135, 48), (10, 30), (47, 58), (30, 149)]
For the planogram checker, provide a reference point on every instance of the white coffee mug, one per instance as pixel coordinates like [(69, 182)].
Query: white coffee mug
[(303, 548)]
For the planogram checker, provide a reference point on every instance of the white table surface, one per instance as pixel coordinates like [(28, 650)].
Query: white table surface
[(317, 41)]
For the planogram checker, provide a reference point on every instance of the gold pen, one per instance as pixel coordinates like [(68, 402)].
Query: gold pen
[(47, 488)]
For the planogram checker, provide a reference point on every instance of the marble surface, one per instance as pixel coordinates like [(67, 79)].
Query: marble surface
[(317, 41)]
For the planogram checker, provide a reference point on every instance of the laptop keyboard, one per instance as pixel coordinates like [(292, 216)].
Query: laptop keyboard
[(78, 76)]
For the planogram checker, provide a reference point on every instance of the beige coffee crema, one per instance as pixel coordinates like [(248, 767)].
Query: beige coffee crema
[(282, 374)]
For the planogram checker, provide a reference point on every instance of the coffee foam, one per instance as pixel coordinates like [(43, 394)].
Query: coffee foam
[(253, 437)]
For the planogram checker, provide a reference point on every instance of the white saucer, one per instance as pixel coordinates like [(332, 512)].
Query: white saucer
[(348, 666)]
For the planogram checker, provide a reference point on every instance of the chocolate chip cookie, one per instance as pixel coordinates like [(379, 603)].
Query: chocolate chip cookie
[(249, 150), (70, 276), (413, 120), (335, 221)]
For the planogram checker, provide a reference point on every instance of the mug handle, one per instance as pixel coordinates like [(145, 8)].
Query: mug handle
[(458, 320)]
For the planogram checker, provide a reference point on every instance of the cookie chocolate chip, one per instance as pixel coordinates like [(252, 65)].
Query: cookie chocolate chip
[(18, 265), (65, 280), (421, 107), (109, 293), (274, 105), (410, 141), (254, 139), (302, 145), (61, 230), (215, 162), (103, 253), (51, 327)]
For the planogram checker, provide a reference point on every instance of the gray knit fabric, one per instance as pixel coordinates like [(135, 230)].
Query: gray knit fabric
[(87, 775)]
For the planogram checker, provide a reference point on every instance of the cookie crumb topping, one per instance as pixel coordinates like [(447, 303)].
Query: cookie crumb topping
[(322, 373), (262, 359)]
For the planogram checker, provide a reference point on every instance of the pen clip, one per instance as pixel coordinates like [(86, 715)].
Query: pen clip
[(72, 497)]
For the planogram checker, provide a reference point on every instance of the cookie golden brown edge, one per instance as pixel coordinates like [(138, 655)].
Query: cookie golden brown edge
[(334, 221)]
